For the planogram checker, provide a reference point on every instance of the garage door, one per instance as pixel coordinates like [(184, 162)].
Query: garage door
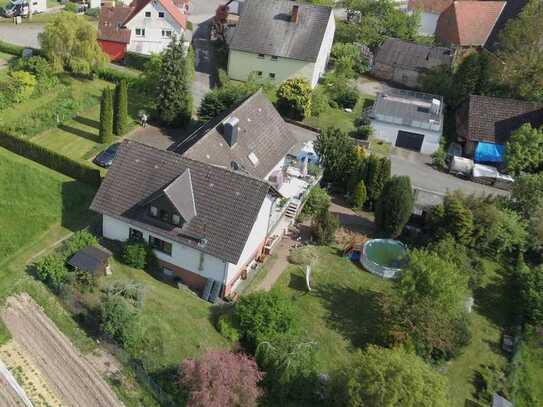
[(411, 141)]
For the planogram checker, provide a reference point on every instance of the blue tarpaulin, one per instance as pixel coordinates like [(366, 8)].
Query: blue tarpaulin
[(489, 153)]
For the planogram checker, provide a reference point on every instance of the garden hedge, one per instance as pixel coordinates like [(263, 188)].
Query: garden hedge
[(116, 75), (135, 60), (16, 49), (58, 162)]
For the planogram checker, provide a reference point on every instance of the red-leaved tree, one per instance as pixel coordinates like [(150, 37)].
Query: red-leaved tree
[(221, 379)]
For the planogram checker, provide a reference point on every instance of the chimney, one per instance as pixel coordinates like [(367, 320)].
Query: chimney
[(230, 128), (294, 16)]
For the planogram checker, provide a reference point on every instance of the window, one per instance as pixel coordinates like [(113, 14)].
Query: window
[(423, 109), (160, 245), (147, 14), (274, 58), (164, 216), (261, 56), (161, 14), (166, 34), (135, 235), (258, 73), (176, 219), (201, 262), (272, 75), (153, 211), (140, 32)]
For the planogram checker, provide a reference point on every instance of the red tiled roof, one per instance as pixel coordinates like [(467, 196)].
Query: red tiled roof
[(174, 12), (111, 23), (468, 23), (430, 6)]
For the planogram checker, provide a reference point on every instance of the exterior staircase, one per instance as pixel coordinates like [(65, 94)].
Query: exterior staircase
[(292, 209)]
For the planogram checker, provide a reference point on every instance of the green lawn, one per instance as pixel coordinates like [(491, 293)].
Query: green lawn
[(182, 319), (32, 199), (28, 115), (339, 118), (341, 311)]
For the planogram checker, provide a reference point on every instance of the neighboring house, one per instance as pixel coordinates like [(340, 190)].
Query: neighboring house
[(211, 206), (408, 119), (484, 124), (429, 11), (468, 23), (404, 62), (278, 40), (146, 27)]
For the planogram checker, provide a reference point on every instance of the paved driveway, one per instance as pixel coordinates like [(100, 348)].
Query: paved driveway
[(417, 167)]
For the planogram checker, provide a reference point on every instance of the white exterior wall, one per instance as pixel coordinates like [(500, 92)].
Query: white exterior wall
[(428, 23), (277, 167), (153, 42), (182, 256), (389, 133), (324, 52), (38, 6), (257, 237)]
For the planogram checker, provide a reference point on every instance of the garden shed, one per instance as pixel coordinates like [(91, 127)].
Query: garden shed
[(92, 259)]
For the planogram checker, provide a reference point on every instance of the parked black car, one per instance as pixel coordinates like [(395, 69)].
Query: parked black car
[(105, 158)]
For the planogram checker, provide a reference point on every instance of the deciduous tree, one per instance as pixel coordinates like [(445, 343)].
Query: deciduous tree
[(324, 226), (69, 42), (221, 379), (380, 377), (294, 98), (337, 152), (524, 150)]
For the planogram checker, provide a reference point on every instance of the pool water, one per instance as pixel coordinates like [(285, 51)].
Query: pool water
[(388, 253)]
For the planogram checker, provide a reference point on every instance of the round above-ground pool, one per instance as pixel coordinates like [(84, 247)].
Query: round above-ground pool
[(384, 257)]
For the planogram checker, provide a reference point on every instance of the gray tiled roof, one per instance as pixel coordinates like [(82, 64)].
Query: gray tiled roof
[(227, 203), (492, 119), (411, 55), (265, 28), (262, 131)]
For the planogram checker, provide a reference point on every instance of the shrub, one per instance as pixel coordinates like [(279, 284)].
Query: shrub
[(52, 271), (324, 226), (227, 328), (320, 101), (116, 75), (317, 199), (58, 162), (345, 97), (135, 254), (360, 195), (21, 85), (394, 206), (136, 60), (302, 256), (37, 66), (131, 291), (439, 157), (294, 98), (11, 48), (221, 379), (262, 315), (119, 320), (71, 7), (93, 12), (78, 241)]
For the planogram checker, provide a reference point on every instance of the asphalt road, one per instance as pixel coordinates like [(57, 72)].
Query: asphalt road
[(24, 35)]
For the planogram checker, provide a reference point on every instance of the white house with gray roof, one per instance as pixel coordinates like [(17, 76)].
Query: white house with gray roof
[(278, 40), (407, 119), (214, 204)]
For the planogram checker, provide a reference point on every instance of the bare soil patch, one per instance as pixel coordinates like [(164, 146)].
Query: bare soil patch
[(68, 373)]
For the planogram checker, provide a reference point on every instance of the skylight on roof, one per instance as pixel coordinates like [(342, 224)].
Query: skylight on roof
[(253, 158)]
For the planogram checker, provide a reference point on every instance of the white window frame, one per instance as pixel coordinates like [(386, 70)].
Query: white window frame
[(147, 14), (159, 14), (166, 34), (141, 32)]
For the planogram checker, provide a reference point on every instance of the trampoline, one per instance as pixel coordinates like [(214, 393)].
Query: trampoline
[(384, 257)]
